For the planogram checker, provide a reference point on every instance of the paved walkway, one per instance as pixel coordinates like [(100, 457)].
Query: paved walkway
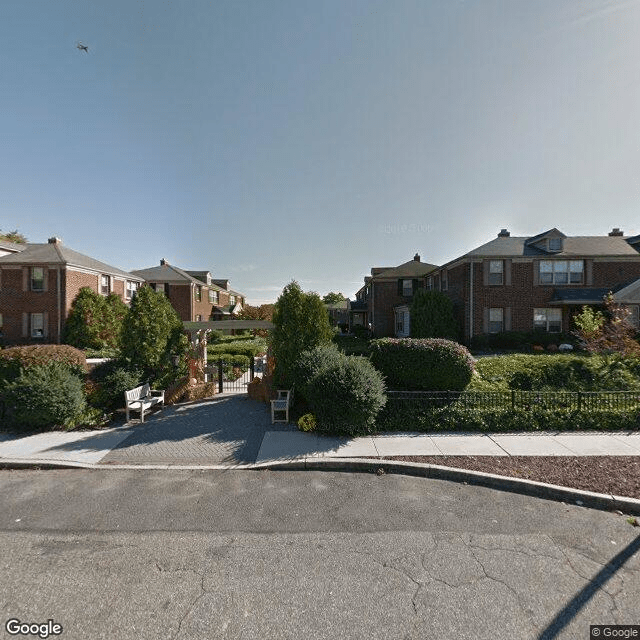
[(231, 429)]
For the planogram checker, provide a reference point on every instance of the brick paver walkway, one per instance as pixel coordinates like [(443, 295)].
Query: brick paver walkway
[(227, 429)]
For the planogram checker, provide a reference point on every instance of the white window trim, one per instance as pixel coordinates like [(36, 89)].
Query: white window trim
[(547, 321), (108, 277), (553, 272), (501, 321), (32, 328), (493, 273)]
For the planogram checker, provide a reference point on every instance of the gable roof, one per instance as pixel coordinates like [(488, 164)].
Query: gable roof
[(14, 247), (166, 272), (55, 253), (410, 269)]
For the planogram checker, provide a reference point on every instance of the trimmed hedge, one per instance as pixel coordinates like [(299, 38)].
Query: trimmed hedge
[(402, 414), (520, 340), (45, 396), (429, 364), (241, 347), (346, 396), (556, 373), (112, 379), (38, 354)]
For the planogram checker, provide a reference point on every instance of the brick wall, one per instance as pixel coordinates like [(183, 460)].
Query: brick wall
[(523, 295), (180, 297), (385, 298)]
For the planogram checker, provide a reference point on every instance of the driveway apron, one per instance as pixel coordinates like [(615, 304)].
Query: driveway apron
[(226, 429)]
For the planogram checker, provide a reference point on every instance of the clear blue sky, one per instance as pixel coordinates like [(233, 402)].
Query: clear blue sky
[(270, 140)]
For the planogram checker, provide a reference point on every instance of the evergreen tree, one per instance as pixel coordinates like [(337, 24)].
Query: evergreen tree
[(301, 323), (432, 315)]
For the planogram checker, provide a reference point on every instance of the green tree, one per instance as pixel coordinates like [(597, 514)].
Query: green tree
[(432, 316), (301, 323), (13, 236), (152, 334), (263, 312), (333, 298)]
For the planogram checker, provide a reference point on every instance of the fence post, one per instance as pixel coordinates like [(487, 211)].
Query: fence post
[(220, 378), (252, 366)]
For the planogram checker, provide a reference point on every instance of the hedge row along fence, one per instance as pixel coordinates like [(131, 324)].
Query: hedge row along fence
[(525, 400)]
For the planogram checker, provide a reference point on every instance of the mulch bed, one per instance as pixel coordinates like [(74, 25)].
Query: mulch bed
[(618, 475)]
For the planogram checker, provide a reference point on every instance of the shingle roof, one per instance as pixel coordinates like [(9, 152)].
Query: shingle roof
[(57, 253), (581, 296), (571, 246), (629, 294), (12, 246), (167, 273), (413, 268)]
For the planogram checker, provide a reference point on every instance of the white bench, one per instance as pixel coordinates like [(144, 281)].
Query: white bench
[(282, 404), (142, 398)]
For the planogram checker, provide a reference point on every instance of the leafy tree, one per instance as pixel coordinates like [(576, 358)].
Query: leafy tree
[(13, 236), (152, 335), (610, 332), (333, 298), (95, 322), (263, 312), (301, 323), (432, 315)]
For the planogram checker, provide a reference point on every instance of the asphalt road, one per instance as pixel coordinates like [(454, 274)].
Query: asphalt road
[(240, 554)]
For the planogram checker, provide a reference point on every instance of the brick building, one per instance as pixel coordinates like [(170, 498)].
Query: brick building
[(539, 282), (195, 295), (382, 303), (39, 282)]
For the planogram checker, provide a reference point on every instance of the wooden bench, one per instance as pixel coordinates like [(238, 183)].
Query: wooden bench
[(282, 404), (142, 398)]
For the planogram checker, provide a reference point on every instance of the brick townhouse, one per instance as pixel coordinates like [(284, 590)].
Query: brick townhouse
[(39, 282), (539, 282), (382, 303), (195, 295)]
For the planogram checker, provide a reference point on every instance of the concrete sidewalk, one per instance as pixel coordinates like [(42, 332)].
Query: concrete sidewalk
[(89, 448), (279, 446)]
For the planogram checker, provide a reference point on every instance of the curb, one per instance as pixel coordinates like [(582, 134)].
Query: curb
[(589, 499)]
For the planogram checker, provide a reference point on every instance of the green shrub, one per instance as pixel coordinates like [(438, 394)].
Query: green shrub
[(346, 396), (112, 379), (360, 331), (307, 422), (423, 364), (556, 372), (352, 345), (432, 315), (45, 396), (241, 347), (399, 413), (36, 354), (311, 362)]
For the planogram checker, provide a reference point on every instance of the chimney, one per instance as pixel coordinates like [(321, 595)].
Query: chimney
[(417, 257), (163, 262), (616, 232), (54, 240), (503, 233)]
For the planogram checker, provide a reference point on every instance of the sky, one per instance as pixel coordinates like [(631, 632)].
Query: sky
[(271, 140)]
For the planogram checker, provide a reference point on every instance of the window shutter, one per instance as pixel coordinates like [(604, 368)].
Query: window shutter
[(25, 325), (25, 278), (45, 276), (507, 319), (485, 273), (507, 272), (414, 286), (485, 320), (399, 287), (536, 272), (588, 267), (45, 324)]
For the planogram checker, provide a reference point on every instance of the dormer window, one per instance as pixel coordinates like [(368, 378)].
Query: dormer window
[(555, 244)]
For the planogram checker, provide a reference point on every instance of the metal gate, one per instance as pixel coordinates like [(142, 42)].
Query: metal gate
[(233, 374)]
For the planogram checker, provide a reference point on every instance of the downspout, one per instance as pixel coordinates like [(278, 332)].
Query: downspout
[(59, 300), (470, 300), (372, 312)]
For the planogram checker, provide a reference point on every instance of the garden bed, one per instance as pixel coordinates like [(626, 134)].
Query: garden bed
[(618, 475)]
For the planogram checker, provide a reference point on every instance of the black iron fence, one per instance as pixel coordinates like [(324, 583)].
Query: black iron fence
[(527, 400)]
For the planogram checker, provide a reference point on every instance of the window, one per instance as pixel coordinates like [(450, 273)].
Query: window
[(561, 271), (198, 293), (232, 300), (547, 320), (210, 296), (37, 279), (634, 316), (444, 284), (399, 322), (430, 283), (37, 325), (105, 285), (132, 287), (496, 320), (555, 244), (407, 287), (496, 272), (198, 318)]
